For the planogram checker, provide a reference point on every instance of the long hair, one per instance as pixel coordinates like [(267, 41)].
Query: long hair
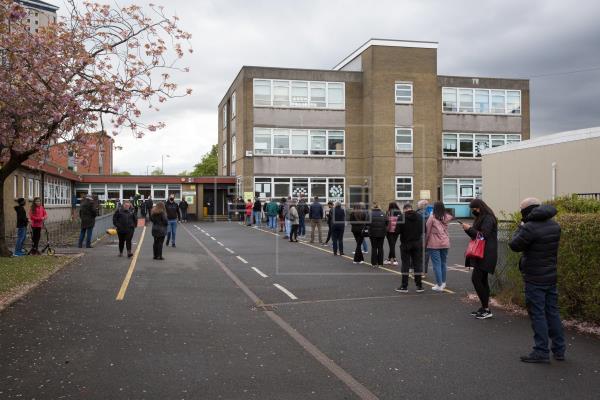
[(485, 210), (158, 208), (439, 210), (34, 206)]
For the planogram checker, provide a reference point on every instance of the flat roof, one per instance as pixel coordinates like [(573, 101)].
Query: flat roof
[(385, 42), (175, 179), (547, 140), (41, 5)]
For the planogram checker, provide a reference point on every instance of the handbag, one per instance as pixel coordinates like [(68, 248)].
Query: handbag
[(476, 247), (365, 231)]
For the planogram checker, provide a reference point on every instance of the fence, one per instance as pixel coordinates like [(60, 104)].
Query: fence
[(593, 196)]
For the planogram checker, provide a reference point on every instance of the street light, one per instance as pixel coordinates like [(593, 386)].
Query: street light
[(148, 166), (162, 158)]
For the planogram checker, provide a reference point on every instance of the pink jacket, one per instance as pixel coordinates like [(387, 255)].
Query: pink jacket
[(437, 233), (37, 218)]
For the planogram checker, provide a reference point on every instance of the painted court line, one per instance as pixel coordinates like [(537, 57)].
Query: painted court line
[(287, 292), (220, 244), (125, 284), (258, 271), (213, 238), (229, 250), (242, 260)]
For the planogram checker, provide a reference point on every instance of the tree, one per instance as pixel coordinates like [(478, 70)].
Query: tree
[(157, 172), (62, 81), (122, 173), (209, 165), (183, 173)]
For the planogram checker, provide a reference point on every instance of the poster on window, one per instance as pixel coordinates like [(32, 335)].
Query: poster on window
[(466, 191)]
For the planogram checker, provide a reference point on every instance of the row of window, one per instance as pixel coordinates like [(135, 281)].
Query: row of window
[(30, 187), (126, 191), (470, 145), (481, 101), (301, 94), (298, 142), (327, 189), (57, 192)]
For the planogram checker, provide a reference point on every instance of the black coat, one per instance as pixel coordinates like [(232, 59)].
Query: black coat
[(183, 205), (124, 221), (172, 210), (410, 228), (257, 206), (358, 220), (87, 214), (159, 224), (378, 224), (338, 220), (22, 220), (488, 227), (538, 238)]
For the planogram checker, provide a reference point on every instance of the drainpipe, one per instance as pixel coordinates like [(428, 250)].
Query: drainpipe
[(553, 180)]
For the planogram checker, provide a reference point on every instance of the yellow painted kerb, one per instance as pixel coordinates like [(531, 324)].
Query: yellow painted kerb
[(121, 294)]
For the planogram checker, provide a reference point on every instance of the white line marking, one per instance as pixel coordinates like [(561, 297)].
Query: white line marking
[(258, 271), (213, 238), (229, 250), (242, 260), (206, 233), (220, 244), (287, 292)]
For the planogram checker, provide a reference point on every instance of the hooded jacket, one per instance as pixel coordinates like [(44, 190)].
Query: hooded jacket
[(377, 224), (437, 232), (172, 210), (38, 216), (411, 229), (87, 214), (538, 238), (21, 217), (488, 227), (124, 220), (159, 224)]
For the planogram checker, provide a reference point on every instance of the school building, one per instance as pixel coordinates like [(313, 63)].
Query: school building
[(381, 125)]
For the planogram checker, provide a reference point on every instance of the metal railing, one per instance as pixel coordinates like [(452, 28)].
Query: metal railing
[(592, 196)]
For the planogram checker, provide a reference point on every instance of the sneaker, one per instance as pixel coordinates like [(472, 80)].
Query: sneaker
[(341, 254), (129, 255), (365, 252), (402, 289), (535, 358), (475, 313), (387, 262), (355, 262), (437, 288), (559, 357), (394, 262), (420, 289), (167, 243), (173, 244), (443, 285), (485, 314)]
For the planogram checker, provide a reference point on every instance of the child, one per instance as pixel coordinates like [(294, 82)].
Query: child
[(21, 227), (37, 214)]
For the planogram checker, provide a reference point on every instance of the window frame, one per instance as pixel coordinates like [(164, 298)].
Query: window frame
[(30, 188), (410, 129), (506, 112), (491, 137), (277, 182), (475, 183), (412, 188), (310, 86), (310, 134), (233, 105), (396, 98)]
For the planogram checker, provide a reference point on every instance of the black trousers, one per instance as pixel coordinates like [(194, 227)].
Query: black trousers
[(392, 238), (480, 282), (157, 246), (294, 233), (377, 250), (358, 254), (411, 254), (125, 240), (36, 233), (337, 236), (328, 233)]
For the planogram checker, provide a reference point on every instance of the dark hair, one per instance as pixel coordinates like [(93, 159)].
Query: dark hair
[(439, 210), (484, 210), (33, 205), (407, 206), (393, 206)]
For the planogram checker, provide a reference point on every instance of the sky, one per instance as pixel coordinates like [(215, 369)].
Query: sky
[(553, 43)]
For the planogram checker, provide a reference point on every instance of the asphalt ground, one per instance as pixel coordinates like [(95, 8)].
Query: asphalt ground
[(209, 322)]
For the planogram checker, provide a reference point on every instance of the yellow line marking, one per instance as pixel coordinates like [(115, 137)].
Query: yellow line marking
[(121, 294), (364, 262)]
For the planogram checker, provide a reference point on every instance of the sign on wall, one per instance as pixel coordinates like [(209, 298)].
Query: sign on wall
[(190, 199)]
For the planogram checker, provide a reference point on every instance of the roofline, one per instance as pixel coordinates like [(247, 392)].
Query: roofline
[(547, 140), (385, 42), (174, 179), (40, 5), (483, 77)]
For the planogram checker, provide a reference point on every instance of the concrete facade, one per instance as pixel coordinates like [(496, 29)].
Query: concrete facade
[(368, 117)]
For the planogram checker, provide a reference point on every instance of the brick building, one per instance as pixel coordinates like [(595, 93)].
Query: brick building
[(95, 158), (382, 125)]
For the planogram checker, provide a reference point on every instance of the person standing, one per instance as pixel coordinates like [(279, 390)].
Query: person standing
[(148, 204), (272, 212), (37, 215), (538, 238), (315, 215), (302, 211), (294, 222), (486, 225), (143, 209), (173, 216), (393, 227), (329, 218), (248, 212), (358, 219), (280, 214), (22, 223), (87, 215), (257, 212), (377, 231), (423, 212), (183, 206), (160, 223), (286, 216), (338, 225), (125, 223), (437, 243), (411, 248)]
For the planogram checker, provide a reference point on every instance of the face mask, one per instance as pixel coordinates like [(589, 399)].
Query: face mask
[(171, 199), (476, 213), (526, 211)]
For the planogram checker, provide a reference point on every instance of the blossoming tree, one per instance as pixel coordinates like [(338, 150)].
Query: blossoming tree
[(94, 70)]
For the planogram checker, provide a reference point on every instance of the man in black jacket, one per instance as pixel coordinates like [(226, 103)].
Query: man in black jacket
[(411, 247), (173, 216), (538, 237)]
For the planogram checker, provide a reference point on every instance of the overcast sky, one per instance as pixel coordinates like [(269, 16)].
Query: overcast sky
[(543, 40)]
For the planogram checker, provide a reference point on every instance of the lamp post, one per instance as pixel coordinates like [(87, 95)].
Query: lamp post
[(162, 158), (148, 166)]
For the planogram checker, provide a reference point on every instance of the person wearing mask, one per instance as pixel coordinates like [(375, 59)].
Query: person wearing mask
[(538, 238), (173, 216), (286, 216), (302, 209), (411, 248), (22, 223), (437, 242), (423, 212), (160, 223), (486, 225), (377, 231), (87, 215), (294, 222), (37, 215), (358, 220), (183, 207), (338, 225), (315, 214), (148, 204), (248, 212), (125, 223), (329, 218), (272, 212), (257, 211), (393, 227)]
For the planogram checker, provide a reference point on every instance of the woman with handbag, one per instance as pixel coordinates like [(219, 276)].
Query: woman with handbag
[(393, 230), (482, 257), (358, 219)]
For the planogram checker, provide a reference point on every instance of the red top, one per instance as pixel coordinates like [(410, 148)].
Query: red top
[(249, 206), (37, 218)]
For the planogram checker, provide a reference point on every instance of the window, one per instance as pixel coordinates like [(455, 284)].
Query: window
[(481, 101), (404, 93), (30, 188), (450, 145), (327, 189), (281, 141), (113, 192), (262, 141), (299, 142), (299, 187), (233, 105), (56, 191), (23, 187), (335, 143), (262, 187), (225, 154), (404, 188), (318, 142), (466, 145), (281, 187), (225, 116), (301, 94), (175, 190), (16, 186), (37, 188), (233, 149), (335, 189), (404, 140), (461, 190), (159, 192), (318, 187), (469, 145), (482, 142)]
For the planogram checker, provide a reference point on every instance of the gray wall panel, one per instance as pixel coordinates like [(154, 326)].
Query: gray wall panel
[(480, 123), (404, 115), (299, 166), (404, 164), (291, 118), (461, 168)]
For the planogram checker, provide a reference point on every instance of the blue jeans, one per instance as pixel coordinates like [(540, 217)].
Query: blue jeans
[(171, 230), (21, 234), (337, 236), (302, 226), (83, 233), (272, 222), (257, 217), (288, 227), (542, 306), (438, 261), (365, 247)]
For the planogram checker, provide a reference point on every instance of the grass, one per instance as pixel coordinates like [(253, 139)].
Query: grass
[(18, 272)]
